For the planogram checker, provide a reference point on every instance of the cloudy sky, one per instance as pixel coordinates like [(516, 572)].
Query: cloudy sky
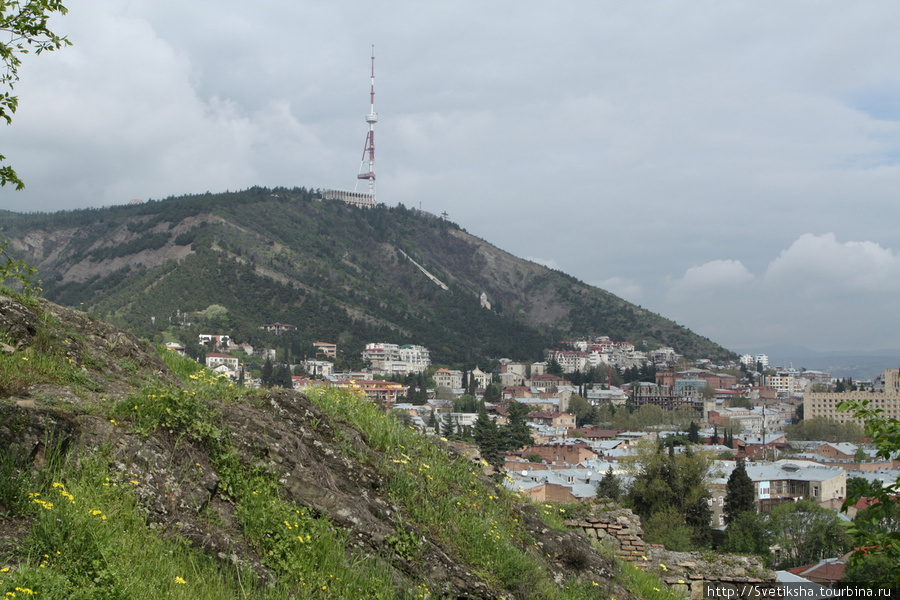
[(730, 165)]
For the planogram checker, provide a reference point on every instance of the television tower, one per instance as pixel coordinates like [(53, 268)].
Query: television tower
[(367, 167)]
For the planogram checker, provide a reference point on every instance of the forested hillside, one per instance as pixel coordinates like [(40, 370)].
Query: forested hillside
[(227, 263)]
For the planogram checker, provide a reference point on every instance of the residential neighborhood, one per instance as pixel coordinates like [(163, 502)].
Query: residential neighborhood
[(592, 407)]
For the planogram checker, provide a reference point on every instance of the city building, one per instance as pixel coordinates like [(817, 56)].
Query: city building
[(214, 359), (482, 379), (319, 368), (277, 328), (325, 349), (214, 341), (390, 359), (446, 378), (788, 481), (824, 404)]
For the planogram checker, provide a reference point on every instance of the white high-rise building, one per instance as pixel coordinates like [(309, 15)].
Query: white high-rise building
[(394, 359)]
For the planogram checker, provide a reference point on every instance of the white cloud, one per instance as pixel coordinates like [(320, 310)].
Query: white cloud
[(817, 263), (634, 140), (715, 276), (819, 293)]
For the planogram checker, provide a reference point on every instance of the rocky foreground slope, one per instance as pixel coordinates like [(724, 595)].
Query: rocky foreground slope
[(90, 412)]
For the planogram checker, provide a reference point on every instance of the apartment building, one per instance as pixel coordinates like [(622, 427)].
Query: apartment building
[(785, 384), (446, 378), (389, 359), (824, 404)]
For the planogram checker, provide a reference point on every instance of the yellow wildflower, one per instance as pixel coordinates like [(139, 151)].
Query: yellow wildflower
[(180, 580)]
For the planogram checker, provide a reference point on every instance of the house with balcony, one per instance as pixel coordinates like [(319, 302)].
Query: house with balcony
[(788, 481), (214, 359)]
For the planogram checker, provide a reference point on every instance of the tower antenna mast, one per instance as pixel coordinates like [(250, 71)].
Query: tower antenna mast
[(367, 167)]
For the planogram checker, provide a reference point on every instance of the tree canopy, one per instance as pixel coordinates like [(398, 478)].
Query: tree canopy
[(24, 25), (670, 492), (876, 531), (739, 495), (823, 429), (609, 486), (806, 533), (749, 533)]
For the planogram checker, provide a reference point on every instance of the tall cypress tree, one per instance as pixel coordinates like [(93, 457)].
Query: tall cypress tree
[(609, 486), (447, 426), (493, 393), (472, 386), (516, 433), (487, 437), (694, 433), (268, 372), (283, 377), (739, 495)]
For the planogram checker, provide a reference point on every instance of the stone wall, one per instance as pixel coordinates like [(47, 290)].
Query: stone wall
[(619, 528), (690, 573)]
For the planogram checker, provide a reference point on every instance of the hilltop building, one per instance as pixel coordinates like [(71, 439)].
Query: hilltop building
[(277, 328)]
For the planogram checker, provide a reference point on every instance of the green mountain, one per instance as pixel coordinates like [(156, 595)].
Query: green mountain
[(230, 262)]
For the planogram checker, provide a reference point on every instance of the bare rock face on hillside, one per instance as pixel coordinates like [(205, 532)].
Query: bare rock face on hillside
[(179, 490), (18, 324)]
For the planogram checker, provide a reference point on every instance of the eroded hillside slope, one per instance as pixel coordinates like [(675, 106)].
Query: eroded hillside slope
[(335, 271)]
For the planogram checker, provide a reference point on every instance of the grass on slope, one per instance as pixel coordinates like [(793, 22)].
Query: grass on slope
[(89, 539)]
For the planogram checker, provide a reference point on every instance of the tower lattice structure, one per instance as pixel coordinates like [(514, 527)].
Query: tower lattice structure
[(367, 166)]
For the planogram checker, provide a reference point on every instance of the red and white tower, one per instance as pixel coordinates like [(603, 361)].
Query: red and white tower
[(367, 167)]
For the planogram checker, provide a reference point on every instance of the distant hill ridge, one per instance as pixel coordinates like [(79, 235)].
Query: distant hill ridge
[(337, 273)]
